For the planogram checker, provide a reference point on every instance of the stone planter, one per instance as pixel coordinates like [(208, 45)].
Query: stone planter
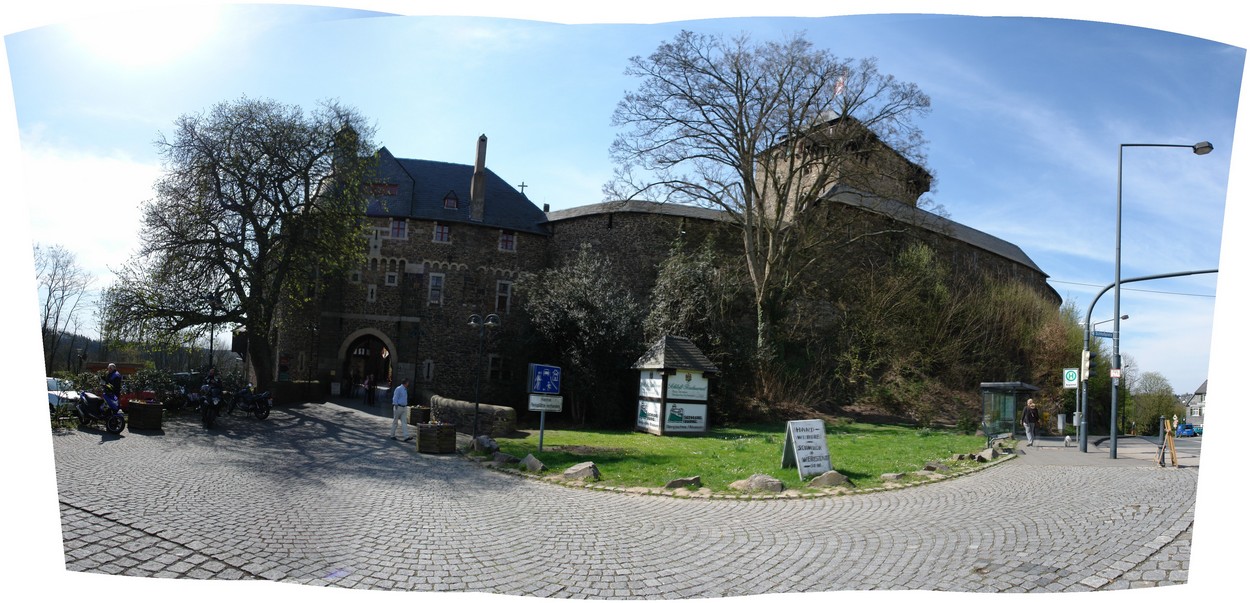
[(436, 438), (144, 414)]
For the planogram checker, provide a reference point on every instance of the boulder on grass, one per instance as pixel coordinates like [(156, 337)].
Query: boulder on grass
[(533, 464), (759, 483), (485, 444), (828, 479), (685, 482), (582, 471)]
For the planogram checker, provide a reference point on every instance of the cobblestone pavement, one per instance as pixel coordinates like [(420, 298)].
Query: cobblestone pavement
[(318, 495)]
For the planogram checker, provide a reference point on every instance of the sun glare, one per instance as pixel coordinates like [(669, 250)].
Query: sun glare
[(148, 38)]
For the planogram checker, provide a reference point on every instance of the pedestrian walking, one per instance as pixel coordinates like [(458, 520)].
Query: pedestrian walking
[(1030, 418), (399, 409)]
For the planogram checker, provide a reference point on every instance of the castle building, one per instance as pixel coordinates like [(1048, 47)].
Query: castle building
[(450, 240)]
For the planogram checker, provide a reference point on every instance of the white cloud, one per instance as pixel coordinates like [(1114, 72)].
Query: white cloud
[(89, 204)]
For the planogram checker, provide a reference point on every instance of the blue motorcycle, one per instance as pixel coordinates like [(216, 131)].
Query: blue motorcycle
[(92, 408)]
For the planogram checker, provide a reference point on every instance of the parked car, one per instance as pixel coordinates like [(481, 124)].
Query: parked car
[(1198, 429), (60, 394), (1185, 430)]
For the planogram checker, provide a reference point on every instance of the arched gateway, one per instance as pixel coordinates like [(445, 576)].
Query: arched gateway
[(367, 352)]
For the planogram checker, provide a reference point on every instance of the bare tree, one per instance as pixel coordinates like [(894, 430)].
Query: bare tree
[(258, 202), (62, 285), (764, 132)]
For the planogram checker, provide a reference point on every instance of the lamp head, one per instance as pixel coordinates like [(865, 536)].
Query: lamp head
[(1203, 148), (492, 320), (475, 321)]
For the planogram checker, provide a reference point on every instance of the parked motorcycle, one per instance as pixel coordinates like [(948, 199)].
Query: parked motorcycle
[(249, 401), (211, 404), (91, 408)]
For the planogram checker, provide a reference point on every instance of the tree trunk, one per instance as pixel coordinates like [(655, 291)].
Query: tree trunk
[(260, 359)]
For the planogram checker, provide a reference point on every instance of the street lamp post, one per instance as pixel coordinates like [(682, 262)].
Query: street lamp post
[(1201, 148), (475, 321)]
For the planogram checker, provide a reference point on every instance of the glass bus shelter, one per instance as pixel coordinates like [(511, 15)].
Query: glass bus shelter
[(999, 404)]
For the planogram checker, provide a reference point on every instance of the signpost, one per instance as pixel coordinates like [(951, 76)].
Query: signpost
[(806, 448), (544, 385), (1071, 378)]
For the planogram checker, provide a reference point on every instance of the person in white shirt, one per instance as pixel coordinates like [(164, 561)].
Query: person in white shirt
[(399, 408)]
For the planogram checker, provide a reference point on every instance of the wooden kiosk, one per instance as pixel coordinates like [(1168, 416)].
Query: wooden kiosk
[(673, 388)]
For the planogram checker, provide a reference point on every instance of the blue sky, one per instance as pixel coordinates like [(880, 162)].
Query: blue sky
[(1027, 118)]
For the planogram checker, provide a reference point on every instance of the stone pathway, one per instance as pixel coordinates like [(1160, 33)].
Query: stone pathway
[(318, 495)]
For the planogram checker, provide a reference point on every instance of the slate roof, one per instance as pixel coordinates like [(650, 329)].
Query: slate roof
[(904, 212), (896, 210), (639, 207), (672, 352), (423, 184)]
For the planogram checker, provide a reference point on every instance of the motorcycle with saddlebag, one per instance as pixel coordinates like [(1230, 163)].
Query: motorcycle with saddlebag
[(249, 401)]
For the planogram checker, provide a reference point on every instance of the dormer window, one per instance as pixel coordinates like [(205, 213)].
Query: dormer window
[(382, 189), (451, 201)]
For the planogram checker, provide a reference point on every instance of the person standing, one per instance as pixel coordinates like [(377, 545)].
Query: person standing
[(399, 410), (1030, 418), (368, 385)]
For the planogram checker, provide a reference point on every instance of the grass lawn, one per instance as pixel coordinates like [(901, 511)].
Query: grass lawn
[(861, 452)]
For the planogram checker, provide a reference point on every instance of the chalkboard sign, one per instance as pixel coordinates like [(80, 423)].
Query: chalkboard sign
[(806, 448)]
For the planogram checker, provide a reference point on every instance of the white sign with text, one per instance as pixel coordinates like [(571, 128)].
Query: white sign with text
[(806, 448), (649, 416), (687, 385)]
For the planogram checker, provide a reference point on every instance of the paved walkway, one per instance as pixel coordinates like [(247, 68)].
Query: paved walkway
[(318, 495)]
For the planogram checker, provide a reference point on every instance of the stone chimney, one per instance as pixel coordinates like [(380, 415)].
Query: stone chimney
[(477, 189)]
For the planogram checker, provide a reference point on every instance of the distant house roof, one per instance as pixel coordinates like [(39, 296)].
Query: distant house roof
[(422, 186), (672, 352)]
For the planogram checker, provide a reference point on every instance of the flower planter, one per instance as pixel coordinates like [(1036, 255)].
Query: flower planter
[(436, 438), (419, 415), (144, 414)]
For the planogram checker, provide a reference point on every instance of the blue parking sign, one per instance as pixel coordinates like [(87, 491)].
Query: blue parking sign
[(544, 379)]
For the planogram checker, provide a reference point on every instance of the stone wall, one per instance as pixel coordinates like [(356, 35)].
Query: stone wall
[(495, 421)]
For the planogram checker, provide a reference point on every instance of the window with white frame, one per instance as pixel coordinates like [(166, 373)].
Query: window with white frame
[(503, 296), (399, 229), (392, 279), (436, 289), (442, 233), (427, 371), (373, 293), (507, 240)]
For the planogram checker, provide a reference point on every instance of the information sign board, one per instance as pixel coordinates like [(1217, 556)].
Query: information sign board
[(687, 385), (806, 448), (544, 379), (543, 403), (685, 417), (649, 416), (1071, 378)]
